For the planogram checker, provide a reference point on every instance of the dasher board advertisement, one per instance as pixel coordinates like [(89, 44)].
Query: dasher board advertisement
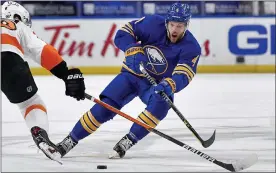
[(89, 43)]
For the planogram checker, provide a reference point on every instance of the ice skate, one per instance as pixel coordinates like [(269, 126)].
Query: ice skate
[(121, 147), (43, 142), (66, 145)]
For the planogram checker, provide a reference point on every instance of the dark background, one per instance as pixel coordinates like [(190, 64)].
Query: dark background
[(130, 9)]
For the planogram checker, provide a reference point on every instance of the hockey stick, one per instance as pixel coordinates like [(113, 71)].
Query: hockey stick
[(206, 143), (234, 167)]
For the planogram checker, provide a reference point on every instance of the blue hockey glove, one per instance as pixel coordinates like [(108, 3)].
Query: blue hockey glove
[(134, 56), (167, 85)]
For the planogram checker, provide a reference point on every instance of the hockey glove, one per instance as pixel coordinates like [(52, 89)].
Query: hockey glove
[(167, 85), (74, 83), (73, 79), (134, 56)]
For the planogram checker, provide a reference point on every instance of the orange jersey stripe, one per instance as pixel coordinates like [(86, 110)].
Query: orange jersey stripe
[(32, 107), (7, 39), (50, 57)]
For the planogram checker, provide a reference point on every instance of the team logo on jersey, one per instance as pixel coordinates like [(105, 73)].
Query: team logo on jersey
[(157, 63)]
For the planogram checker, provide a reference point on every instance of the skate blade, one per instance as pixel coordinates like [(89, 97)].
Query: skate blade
[(48, 151), (114, 155)]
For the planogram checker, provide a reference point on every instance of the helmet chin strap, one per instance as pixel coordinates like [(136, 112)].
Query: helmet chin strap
[(168, 33), (185, 29)]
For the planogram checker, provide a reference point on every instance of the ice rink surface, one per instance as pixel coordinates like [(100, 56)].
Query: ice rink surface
[(241, 107)]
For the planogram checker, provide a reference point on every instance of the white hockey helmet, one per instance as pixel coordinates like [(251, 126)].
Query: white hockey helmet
[(15, 11)]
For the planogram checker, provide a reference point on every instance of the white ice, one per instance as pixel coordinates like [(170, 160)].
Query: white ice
[(241, 107)]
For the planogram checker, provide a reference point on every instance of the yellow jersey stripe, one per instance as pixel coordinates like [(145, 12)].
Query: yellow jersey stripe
[(183, 72), (129, 26), (129, 29), (123, 29), (188, 67), (182, 67), (185, 69)]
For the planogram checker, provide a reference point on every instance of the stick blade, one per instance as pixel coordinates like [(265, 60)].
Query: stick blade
[(210, 141), (245, 163)]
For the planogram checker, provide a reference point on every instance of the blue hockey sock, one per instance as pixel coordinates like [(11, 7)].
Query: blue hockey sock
[(140, 132), (85, 126), (92, 120)]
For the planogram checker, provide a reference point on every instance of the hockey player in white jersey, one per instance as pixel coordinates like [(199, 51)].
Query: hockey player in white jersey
[(18, 41)]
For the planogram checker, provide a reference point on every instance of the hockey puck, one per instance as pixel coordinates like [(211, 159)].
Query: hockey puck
[(101, 167)]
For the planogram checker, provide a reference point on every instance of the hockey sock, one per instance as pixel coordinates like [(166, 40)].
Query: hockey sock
[(34, 112), (140, 132), (92, 120), (85, 126)]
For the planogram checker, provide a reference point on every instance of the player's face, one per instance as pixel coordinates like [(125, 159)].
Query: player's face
[(176, 30)]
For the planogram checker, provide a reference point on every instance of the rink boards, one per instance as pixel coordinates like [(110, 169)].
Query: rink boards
[(229, 45)]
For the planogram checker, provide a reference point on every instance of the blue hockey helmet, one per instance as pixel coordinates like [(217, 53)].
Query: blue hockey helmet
[(179, 13)]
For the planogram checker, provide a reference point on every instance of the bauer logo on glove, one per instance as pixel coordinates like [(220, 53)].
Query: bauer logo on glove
[(75, 76), (74, 83)]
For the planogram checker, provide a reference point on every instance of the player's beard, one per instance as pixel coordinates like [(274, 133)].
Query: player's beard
[(174, 37)]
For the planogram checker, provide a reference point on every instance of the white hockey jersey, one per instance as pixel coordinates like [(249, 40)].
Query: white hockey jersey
[(18, 38)]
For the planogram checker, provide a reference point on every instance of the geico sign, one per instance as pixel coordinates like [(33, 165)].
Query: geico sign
[(251, 39)]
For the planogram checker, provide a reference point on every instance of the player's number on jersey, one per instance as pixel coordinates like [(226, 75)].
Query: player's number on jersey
[(8, 24)]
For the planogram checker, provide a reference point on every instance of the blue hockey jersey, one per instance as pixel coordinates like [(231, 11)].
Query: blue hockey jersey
[(165, 59)]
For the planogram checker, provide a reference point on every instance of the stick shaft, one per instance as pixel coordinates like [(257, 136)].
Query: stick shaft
[(168, 100), (151, 129)]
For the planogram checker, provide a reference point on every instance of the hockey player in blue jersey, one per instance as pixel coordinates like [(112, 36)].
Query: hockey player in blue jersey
[(170, 54)]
